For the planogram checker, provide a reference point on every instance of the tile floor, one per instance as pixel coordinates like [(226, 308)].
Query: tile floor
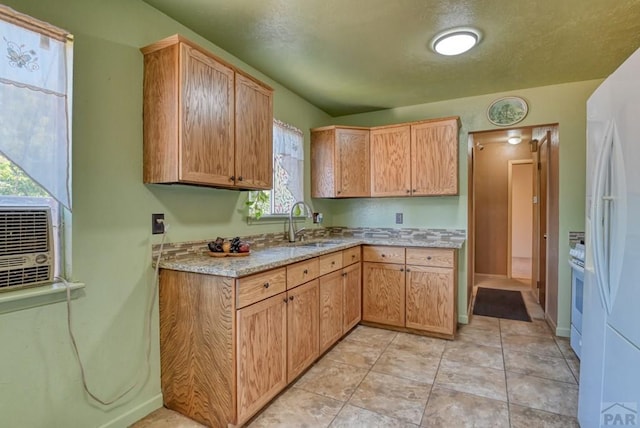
[(498, 373)]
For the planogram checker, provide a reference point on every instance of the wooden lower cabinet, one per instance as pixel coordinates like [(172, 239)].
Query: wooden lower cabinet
[(261, 353), (431, 299), (383, 293), (331, 298), (419, 295), (352, 296), (302, 328)]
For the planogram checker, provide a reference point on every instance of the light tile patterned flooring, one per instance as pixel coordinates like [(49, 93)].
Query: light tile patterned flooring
[(497, 373)]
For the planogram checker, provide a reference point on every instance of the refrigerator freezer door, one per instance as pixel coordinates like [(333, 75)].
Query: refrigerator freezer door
[(621, 389)]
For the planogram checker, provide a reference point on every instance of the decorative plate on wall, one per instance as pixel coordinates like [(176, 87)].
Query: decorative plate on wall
[(507, 111)]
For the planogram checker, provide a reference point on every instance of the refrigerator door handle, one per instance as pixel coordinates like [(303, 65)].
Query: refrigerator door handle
[(599, 220)]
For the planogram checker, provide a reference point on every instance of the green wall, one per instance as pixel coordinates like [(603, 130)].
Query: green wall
[(563, 104), (40, 384)]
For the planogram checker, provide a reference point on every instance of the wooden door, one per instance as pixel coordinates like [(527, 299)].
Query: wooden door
[(431, 299), (391, 161), (206, 150), (302, 327), (261, 354), (352, 296), (542, 216), (330, 309), (434, 158), (254, 134), (352, 163), (383, 293)]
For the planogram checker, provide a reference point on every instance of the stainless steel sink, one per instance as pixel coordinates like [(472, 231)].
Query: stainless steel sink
[(318, 244)]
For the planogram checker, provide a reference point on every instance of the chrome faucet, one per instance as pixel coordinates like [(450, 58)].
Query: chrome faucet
[(292, 228)]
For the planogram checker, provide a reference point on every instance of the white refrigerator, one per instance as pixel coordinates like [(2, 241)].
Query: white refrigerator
[(610, 362)]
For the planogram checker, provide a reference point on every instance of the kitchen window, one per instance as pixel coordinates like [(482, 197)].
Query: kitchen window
[(35, 123), (288, 174)]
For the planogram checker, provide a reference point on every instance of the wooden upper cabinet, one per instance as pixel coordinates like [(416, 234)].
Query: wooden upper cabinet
[(434, 158), (254, 134), (340, 162), (205, 122), (207, 132), (391, 161)]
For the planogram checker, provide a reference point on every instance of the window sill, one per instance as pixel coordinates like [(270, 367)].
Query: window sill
[(275, 218), (12, 301)]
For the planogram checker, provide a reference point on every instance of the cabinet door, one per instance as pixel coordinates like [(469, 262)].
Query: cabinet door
[(352, 163), (302, 327), (207, 126), (391, 161), (261, 354), (431, 299), (330, 309), (383, 293), (352, 296), (254, 134), (434, 158)]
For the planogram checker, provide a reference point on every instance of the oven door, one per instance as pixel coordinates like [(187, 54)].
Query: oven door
[(577, 288)]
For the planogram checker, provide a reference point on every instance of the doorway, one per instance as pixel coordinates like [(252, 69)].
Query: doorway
[(520, 224), (511, 247)]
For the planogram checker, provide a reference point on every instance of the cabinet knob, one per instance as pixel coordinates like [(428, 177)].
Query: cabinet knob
[(232, 178), (353, 256), (333, 263), (290, 297), (344, 274), (306, 271), (266, 285), (414, 190), (408, 270), (240, 178), (284, 300), (402, 270), (428, 257), (408, 190)]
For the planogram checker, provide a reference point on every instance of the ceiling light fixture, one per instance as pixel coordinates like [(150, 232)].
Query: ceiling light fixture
[(455, 41), (514, 140)]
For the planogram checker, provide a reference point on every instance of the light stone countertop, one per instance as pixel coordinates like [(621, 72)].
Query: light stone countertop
[(273, 257)]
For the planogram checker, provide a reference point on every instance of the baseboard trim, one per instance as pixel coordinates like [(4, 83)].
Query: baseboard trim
[(563, 332), (463, 319), (136, 413)]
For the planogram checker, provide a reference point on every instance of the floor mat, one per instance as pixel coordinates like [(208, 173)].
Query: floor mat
[(500, 304)]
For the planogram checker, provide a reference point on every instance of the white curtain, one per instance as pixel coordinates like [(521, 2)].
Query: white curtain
[(288, 164), (35, 102)]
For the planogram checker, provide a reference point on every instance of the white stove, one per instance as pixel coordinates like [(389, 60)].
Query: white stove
[(576, 261)]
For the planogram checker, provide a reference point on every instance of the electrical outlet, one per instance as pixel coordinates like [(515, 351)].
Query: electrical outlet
[(399, 218), (157, 227)]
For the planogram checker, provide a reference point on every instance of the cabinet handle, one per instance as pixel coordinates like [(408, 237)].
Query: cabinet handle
[(284, 300), (383, 255), (344, 274), (339, 191), (408, 270), (266, 285), (333, 263), (290, 297), (414, 190), (306, 271), (428, 257), (232, 178), (353, 256), (408, 190), (240, 178), (402, 270)]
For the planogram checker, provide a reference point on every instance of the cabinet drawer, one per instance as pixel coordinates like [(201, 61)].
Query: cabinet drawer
[(254, 288), (382, 254), (330, 262), (436, 257), (301, 272), (350, 256)]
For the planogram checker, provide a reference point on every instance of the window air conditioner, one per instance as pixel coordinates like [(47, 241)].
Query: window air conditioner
[(26, 247)]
